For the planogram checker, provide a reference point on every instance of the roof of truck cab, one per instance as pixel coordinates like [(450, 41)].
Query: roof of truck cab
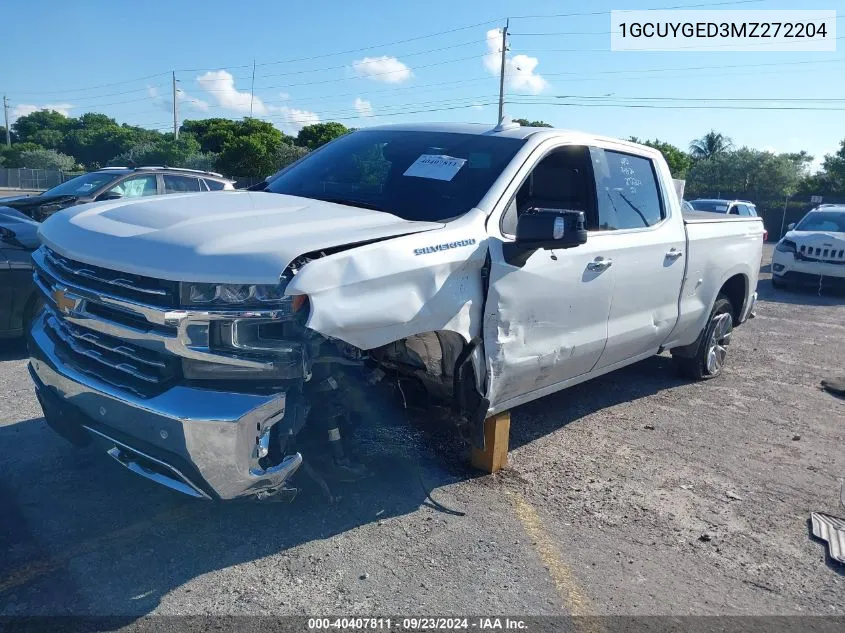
[(518, 132)]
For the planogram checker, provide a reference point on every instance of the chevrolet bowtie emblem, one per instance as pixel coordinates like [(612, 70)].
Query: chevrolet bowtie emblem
[(65, 302)]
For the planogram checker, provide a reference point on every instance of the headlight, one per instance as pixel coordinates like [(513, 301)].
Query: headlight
[(233, 295), (785, 246)]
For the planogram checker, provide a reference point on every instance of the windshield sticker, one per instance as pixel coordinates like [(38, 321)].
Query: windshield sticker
[(435, 167), (443, 247)]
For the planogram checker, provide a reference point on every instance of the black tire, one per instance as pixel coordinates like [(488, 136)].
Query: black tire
[(778, 284), (717, 332)]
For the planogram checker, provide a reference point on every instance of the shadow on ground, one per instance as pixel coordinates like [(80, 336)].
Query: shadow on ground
[(13, 349), (83, 536), (799, 295)]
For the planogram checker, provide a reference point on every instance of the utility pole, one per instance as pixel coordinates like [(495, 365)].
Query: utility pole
[(502, 73), (175, 115), (252, 88), (6, 114)]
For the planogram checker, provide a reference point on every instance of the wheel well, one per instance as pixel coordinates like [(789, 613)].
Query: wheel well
[(736, 289)]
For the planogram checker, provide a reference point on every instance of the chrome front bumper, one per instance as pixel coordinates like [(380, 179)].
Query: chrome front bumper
[(200, 442)]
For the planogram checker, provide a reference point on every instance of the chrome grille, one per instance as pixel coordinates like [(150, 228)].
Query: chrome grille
[(111, 360), (137, 287), (822, 254)]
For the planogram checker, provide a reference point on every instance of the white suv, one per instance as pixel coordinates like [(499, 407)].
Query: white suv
[(813, 251)]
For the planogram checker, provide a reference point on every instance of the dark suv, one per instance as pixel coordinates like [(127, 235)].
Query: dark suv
[(113, 183)]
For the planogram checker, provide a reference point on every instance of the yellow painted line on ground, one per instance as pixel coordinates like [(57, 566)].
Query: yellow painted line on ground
[(34, 569), (574, 597)]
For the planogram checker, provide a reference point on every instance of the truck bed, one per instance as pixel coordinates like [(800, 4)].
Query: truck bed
[(719, 247), (706, 217)]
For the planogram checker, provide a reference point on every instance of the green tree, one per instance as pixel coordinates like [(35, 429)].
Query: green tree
[(252, 155), (211, 134), (51, 139), (313, 136), (12, 155), (27, 126), (830, 181), (745, 173), (166, 151), (46, 159), (526, 123), (679, 161), (287, 154), (711, 144)]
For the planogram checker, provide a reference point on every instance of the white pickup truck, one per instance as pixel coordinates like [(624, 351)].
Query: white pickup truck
[(210, 339)]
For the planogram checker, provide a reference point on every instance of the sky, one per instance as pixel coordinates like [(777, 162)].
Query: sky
[(368, 63)]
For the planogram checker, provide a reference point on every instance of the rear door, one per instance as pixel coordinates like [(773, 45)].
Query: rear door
[(641, 232)]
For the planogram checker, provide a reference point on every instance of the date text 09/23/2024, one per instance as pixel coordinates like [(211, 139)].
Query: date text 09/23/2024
[(416, 624)]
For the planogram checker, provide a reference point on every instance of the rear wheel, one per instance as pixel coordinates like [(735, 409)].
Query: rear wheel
[(710, 356)]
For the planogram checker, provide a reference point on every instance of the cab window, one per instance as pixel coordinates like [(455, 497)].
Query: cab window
[(627, 191), (561, 181)]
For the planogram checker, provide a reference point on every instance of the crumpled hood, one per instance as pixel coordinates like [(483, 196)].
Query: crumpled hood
[(217, 237), (821, 240)]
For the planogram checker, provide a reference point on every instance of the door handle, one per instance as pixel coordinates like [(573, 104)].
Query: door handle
[(599, 264), (674, 254)]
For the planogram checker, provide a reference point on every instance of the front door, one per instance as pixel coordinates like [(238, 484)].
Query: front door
[(545, 321)]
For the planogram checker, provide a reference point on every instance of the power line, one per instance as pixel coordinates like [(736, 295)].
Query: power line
[(688, 68), (115, 83), (682, 6), (652, 106), (368, 76), (361, 49)]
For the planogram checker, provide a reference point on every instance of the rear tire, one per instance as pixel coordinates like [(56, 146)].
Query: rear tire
[(710, 356)]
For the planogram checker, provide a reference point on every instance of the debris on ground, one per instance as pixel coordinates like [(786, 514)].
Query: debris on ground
[(830, 529), (730, 494)]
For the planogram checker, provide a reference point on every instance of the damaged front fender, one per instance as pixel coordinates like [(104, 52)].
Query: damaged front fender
[(372, 295)]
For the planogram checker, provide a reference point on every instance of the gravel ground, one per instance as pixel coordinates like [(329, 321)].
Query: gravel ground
[(637, 493)]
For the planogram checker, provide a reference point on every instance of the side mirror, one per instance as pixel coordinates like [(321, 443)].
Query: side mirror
[(790, 226), (546, 229), (110, 195)]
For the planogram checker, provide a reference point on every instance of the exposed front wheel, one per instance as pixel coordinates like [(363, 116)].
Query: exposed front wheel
[(778, 284), (712, 350)]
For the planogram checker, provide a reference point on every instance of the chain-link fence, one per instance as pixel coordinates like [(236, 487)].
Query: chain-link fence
[(37, 179)]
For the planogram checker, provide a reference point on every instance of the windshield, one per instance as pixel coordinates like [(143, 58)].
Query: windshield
[(833, 221), (715, 206), (84, 185), (415, 175)]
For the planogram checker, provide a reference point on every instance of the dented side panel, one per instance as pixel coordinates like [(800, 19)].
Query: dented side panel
[(379, 293), (545, 322)]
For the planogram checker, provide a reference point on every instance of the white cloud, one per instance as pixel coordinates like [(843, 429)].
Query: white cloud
[(519, 69), (220, 85), (477, 106), (166, 102), (364, 107), (293, 120), (184, 97), (387, 69), (24, 108)]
